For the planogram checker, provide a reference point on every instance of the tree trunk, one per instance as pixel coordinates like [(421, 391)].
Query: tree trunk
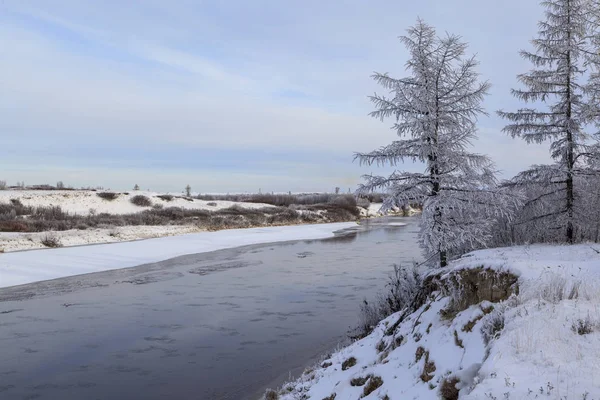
[(570, 145)]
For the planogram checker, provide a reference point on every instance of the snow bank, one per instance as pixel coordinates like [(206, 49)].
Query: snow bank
[(82, 202), (17, 241), (531, 345), (25, 267)]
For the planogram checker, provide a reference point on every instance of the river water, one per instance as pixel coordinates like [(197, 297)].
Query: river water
[(217, 326)]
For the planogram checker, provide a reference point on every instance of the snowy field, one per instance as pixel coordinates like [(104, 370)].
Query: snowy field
[(19, 268), (84, 202), (542, 343)]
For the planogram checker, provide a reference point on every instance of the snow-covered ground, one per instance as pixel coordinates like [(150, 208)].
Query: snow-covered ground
[(16, 241), (19, 268), (537, 347), (84, 202)]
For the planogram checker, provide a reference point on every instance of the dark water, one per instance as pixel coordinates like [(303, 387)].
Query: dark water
[(220, 325)]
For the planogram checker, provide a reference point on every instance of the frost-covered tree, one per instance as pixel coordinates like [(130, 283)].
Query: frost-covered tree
[(435, 110), (560, 87)]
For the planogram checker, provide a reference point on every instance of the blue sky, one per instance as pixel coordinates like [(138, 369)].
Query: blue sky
[(227, 95)]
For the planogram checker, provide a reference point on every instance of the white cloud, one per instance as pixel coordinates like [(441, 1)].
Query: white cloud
[(208, 74)]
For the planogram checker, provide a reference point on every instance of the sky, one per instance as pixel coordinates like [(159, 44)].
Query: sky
[(231, 95)]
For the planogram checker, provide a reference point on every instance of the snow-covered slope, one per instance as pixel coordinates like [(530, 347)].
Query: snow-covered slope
[(543, 342), (82, 202)]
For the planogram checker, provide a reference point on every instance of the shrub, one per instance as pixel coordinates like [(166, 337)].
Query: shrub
[(141, 201), (51, 241), (211, 204), (401, 288), (165, 197), (110, 196), (52, 213), (2, 185), (13, 226)]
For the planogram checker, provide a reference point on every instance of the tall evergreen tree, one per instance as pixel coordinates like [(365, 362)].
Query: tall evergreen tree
[(435, 110), (559, 86)]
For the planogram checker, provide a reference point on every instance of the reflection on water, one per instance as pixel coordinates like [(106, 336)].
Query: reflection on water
[(221, 325)]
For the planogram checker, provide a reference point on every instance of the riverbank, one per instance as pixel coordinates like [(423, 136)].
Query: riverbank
[(511, 323), (31, 219)]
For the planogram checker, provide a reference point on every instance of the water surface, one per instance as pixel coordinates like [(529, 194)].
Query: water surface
[(220, 325)]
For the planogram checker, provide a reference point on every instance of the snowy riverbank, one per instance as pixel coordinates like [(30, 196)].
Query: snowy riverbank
[(542, 341), (19, 268), (32, 219)]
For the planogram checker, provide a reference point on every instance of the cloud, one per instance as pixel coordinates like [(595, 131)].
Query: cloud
[(239, 80)]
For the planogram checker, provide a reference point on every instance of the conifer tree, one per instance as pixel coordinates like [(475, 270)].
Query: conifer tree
[(560, 88), (435, 110)]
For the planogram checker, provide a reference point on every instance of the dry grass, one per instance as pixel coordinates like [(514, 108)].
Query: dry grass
[(584, 326), (51, 241), (270, 394), (428, 369), (468, 327), (458, 341), (349, 363), (492, 326), (419, 353), (448, 390), (360, 381), (374, 383), (14, 217)]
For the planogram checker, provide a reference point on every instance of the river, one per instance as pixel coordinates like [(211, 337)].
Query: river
[(217, 326)]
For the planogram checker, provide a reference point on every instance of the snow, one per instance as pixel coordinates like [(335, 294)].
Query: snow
[(535, 261), (20, 268), (537, 354), (82, 202), (374, 210), (17, 241)]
